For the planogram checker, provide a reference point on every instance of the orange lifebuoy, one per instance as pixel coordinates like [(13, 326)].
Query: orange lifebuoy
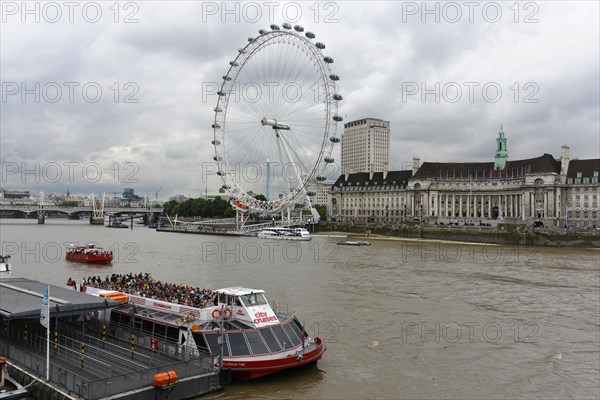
[(216, 313), (228, 313)]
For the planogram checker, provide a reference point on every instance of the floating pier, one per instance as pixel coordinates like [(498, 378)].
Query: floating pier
[(89, 358)]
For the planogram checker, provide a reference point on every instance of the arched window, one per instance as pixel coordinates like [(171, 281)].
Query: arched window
[(538, 182)]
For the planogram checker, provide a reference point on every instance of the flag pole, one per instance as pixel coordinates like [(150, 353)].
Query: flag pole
[(45, 321), (48, 337)]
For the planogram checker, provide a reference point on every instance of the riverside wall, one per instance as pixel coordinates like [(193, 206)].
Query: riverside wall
[(507, 234)]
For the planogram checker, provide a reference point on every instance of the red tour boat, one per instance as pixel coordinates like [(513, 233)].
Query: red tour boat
[(89, 253), (241, 329)]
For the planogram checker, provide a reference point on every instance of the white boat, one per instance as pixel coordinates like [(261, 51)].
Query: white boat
[(257, 340), (354, 243), (5, 267), (285, 233)]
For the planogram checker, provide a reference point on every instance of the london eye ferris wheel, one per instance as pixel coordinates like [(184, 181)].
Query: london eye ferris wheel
[(276, 120)]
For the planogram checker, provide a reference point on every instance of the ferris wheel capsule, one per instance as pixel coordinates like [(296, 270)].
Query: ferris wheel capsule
[(298, 28), (262, 31), (338, 97), (338, 118), (285, 25), (320, 45), (274, 27), (334, 77), (328, 60), (310, 35)]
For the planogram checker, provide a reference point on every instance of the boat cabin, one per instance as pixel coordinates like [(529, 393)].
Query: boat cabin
[(247, 305)]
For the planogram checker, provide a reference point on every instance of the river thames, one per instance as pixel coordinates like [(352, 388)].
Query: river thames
[(400, 319)]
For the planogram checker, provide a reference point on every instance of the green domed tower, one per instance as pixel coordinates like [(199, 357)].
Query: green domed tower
[(501, 152)]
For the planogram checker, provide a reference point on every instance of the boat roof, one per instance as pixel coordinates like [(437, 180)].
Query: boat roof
[(22, 298), (238, 291)]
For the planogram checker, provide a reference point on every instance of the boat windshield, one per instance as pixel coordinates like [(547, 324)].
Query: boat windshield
[(253, 299)]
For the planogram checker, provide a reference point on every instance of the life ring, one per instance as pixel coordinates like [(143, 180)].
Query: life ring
[(216, 313), (228, 313), (190, 317)]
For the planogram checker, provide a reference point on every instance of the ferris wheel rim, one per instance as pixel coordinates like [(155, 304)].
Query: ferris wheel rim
[(244, 200)]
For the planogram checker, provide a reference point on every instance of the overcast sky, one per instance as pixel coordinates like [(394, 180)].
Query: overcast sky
[(446, 75)]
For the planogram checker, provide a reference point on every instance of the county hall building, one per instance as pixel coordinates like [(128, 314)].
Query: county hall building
[(551, 191)]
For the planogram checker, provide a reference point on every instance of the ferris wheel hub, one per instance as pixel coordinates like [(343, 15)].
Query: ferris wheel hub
[(274, 124)]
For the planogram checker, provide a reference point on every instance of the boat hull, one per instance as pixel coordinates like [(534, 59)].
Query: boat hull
[(251, 369), (90, 258), (299, 238)]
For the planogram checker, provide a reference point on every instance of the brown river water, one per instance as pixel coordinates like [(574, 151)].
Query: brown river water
[(400, 319)]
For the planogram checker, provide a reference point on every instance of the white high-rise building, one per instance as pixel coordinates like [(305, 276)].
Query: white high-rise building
[(366, 146)]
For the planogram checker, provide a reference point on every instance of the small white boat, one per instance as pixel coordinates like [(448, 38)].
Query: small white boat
[(354, 243), (285, 233), (5, 267)]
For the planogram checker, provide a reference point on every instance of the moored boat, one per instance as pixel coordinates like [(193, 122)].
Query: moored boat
[(285, 233), (354, 243), (256, 340), (117, 224), (89, 253), (5, 267)]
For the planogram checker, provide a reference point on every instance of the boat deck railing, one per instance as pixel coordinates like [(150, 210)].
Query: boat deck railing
[(94, 368)]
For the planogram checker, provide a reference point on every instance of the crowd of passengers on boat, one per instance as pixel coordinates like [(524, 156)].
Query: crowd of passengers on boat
[(146, 286)]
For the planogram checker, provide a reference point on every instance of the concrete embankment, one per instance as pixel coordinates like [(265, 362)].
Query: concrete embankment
[(503, 234)]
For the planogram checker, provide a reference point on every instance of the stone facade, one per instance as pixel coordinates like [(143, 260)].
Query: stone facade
[(555, 192)]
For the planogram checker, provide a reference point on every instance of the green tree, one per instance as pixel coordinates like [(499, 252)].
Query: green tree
[(322, 210), (171, 207), (200, 207)]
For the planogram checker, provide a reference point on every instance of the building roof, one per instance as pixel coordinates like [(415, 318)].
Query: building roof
[(22, 298), (543, 164), (362, 178), (586, 167), (364, 121)]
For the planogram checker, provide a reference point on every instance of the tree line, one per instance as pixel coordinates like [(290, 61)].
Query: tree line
[(217, 208), (204, 208)]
